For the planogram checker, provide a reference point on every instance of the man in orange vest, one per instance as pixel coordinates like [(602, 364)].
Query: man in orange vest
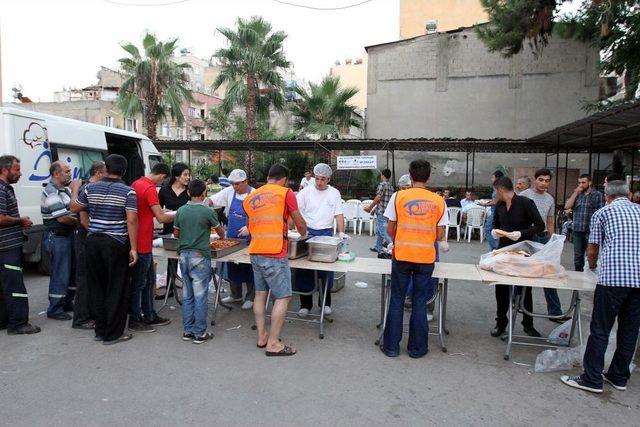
[(268, 209), (417, 218)]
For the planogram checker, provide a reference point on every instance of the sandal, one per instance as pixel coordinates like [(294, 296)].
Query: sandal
[(286, 351), (123, 338)]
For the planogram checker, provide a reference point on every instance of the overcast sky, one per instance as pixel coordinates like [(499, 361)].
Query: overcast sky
[(49, 44)]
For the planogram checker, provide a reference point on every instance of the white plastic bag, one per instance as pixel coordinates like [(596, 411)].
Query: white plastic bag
[(560, 334), (543, 262), (561, 359)]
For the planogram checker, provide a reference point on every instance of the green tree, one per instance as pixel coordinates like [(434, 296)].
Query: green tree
[(612, 25), (155, 85), (250, 65), (325, 109)]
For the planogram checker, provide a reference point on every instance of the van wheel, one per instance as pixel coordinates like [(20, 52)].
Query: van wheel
[(43, 265)]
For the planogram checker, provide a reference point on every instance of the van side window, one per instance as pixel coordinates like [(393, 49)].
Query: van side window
[(80, 160), (154, 160)]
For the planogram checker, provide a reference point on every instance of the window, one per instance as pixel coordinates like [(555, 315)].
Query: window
[(79, 160), (108, 121), (192, 112), (165, 130), (154, 160), (131, 125), (203, 113)]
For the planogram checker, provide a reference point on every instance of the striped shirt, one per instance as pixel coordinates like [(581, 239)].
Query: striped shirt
[(54, 203), (108, 201), (11, 236), (224, 181), (616, 230)]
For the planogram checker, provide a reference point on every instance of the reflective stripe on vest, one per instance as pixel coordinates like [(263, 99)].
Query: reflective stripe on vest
[(265, 210), (418, 212)]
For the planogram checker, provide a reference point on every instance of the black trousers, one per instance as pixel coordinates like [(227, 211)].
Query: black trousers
[(81, 304), (109, 281), (14, 301), (306, 301), (502, 302), (609, 303)]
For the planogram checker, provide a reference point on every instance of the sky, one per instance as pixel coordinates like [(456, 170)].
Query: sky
[(51, 44)]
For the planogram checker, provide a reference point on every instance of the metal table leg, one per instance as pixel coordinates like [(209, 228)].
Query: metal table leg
[(513, 313), (218, 300), (171, 278), (384, 307), (323, 289), (382, 299), (445, 292), (441, 314)]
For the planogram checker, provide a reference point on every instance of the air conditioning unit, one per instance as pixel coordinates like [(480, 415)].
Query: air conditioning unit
[(431, 26)]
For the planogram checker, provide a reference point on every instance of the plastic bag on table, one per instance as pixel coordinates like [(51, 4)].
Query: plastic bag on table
[(543, 260), (560, 334)]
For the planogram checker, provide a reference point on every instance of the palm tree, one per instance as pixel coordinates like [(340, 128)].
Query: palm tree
[(325, 109), (250, 65), (155, 85)]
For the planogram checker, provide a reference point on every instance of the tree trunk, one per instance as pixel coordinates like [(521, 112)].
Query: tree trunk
[(250, 131)]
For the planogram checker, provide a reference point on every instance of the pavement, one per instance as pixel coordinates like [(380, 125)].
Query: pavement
[(62, 377)]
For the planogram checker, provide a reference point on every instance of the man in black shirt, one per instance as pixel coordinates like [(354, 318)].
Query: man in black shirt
[(516, 219)]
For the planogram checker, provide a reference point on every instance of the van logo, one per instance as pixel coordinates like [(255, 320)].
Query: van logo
[(35, 135), (262, 200), (419, 207)]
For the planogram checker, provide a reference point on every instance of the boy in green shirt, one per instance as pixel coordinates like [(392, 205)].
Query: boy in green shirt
[(192, 227)]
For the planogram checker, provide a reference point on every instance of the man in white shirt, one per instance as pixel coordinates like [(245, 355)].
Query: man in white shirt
[(319, 204), (467, 201), (306, 181), (231, 199)]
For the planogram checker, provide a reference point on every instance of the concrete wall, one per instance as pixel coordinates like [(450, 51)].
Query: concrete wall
[(449, 85), (450, 14), (354, 75)]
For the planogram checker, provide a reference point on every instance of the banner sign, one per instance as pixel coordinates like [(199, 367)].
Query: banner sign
[(357, 162)]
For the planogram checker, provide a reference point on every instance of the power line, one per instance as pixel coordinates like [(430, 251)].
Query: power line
[(169, 3), (322, 8)]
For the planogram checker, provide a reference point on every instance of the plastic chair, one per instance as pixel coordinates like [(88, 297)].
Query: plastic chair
[(475, 220), (350, 210), (364, 217), (454, 222)]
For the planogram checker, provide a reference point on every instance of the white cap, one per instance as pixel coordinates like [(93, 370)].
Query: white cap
[(322, 169), (404, 180), (237, 175)]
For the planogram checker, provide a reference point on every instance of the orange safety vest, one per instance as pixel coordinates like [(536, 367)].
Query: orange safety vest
[(418, 212), (265, 208)]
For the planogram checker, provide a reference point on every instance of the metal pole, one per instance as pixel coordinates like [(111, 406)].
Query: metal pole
[(546, 160), (590, 146), (473, 167), (597, 170), (566, 167), (633, 161), (466, 174), (387, 165), (557, 164), (393, 166), (219, 162)]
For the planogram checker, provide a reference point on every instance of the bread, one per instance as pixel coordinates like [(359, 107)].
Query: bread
[(510, 252), (527, 268)]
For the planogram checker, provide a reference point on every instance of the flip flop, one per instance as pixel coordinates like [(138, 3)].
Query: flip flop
[(286, 351)]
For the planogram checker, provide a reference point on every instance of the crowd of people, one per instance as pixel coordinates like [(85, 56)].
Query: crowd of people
[(99, 235)]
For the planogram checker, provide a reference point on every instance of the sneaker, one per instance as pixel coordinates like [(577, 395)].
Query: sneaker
[(576, 382), (203, 338), (89, 324), (247, 305), (60, 316), (327, 310), (26, 329), (230, 299), (614, 385), (139, 326), (158, 321), (188, 337), (429, 317), (303, 312)]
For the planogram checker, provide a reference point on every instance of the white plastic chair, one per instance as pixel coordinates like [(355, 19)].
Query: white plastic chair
[(475, 220), (364, 217), (454, 222), (350, 210)]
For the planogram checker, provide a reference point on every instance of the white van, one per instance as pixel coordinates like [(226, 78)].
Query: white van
[(39, 139)]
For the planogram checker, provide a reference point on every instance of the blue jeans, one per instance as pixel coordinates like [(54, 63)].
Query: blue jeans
[(580, 243), (488, 226), (61, 265), (143, 278), (381, 229), (554, 308), (609, 303), (433, 282), (196, 275), (418, 344)]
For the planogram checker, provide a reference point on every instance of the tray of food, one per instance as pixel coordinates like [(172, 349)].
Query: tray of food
[(297, 245), (224, 247), (169, 243), (325, 248)]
